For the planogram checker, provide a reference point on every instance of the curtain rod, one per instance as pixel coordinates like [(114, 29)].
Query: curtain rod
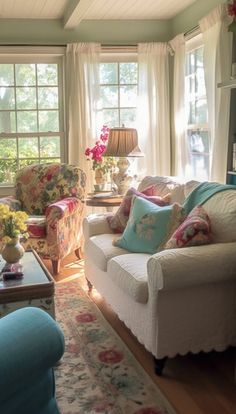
[(192, 32)]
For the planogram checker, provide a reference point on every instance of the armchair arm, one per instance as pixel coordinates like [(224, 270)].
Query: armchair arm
[(12, 202), (62, 208), (179, 268), (95, 224), (31, 342)]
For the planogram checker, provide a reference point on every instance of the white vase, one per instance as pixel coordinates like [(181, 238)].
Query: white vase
[(13, 251)]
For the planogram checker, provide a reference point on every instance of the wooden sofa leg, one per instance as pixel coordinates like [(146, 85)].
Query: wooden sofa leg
[(90, 286), (55, 266), (159, 365)]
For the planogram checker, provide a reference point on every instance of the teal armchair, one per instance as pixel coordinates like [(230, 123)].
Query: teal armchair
[(31, 343)]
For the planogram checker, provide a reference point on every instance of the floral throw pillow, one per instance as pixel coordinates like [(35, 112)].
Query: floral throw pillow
[(118, 222), (194, 231)]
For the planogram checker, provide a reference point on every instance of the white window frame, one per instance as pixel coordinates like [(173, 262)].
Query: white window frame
[(38, 54), (119, 54), (191, 45)]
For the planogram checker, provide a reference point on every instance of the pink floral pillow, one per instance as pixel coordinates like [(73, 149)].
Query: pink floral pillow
[(118, 221), (194, 231)]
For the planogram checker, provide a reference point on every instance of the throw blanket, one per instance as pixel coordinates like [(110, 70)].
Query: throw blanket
[(202, 193)]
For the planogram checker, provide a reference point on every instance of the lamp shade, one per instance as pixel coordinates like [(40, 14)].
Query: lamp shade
[(121, 142)]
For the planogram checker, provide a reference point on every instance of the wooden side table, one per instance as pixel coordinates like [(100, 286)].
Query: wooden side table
[(107, 202)]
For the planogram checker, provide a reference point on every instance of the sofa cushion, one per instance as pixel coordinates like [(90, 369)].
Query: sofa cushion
[(163, 186), (129, 272), (118, 221), (221, 208), (149, 226), (194, 231), (101, 249)]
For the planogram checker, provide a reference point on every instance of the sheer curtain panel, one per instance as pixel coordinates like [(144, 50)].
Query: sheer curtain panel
[(82, 77), (217, 65), (154, 107), (179, 142)]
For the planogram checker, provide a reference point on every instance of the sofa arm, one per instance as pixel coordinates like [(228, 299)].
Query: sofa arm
[(189, 266), (31, 343), (95, 224)]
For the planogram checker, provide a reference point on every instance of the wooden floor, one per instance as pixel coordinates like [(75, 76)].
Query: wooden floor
[(193, 384)]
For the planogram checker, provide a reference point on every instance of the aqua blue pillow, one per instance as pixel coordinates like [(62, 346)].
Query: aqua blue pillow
[(149, 226)]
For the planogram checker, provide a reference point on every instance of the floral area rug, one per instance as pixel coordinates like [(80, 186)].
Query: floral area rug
[(98, 373)]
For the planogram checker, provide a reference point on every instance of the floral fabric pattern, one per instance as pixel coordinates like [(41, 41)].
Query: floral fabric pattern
[(98, 373), (38, 186), (52, 194), (119, 221), (194, 231)]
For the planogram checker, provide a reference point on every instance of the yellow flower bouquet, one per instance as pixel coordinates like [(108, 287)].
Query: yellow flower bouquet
[(12, 224)]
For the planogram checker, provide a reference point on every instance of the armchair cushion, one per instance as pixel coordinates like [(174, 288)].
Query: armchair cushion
[(37, 226)]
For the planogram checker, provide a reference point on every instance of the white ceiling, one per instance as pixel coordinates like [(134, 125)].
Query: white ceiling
[(72, 12)]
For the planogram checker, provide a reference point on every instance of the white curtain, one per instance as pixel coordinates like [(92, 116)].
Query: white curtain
[(154, 108), (179, 143), (82, 77), (217, 65)]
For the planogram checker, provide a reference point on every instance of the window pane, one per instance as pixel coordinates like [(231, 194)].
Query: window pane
[(47, 74), (8, 148), (7, 121), (7, 171), (109, 73), (199, 153), (25, 74), (27, 121), (128, 72), (28, 147), (7, 98), (48, 121), (6, 74), (50, 146), (111, 117), (109, 95), (48, 98), (201, 111), (128, 117), (26, 98), (128, 96)]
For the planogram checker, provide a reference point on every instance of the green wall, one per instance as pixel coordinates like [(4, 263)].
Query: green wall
[(51, 32), (46, 32), (190, 17)]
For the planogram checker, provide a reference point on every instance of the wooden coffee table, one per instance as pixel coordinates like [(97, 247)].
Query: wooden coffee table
[(36, 288)]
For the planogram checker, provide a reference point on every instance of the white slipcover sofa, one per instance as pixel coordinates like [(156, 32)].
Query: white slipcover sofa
[(175, 301)]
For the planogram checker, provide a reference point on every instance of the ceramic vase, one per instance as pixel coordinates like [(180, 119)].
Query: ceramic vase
[(13, 251), (100, 180)]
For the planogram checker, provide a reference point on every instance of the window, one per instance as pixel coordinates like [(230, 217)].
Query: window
[(118, 87), (31, 121), (197, 116)]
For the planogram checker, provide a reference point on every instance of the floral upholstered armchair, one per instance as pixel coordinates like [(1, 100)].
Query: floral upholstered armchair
[(52, 195)]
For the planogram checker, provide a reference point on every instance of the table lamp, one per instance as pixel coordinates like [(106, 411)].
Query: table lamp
[(122, 143)]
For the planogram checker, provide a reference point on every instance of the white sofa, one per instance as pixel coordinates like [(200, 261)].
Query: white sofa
[(175, 301)]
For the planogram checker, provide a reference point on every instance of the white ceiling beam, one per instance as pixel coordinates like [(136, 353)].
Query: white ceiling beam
[(75, 12)]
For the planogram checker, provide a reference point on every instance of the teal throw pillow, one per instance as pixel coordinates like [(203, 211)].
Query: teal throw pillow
[(149, 226)]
